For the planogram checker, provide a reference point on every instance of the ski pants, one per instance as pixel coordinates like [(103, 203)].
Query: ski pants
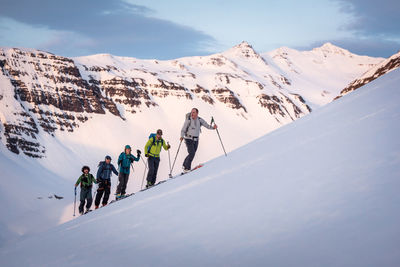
[(104, 188), (86, 194), (123, 181), (153, 163), (191, 146)]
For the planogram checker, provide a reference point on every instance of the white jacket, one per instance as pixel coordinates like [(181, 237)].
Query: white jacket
[(191, 127)]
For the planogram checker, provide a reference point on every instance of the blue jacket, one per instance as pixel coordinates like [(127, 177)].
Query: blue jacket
[(124, 162), (104, 171)]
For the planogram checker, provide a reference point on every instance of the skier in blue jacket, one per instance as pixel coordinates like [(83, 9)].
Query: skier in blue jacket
[(124, 162), (103, 177)]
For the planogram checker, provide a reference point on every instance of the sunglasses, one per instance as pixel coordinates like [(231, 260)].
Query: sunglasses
[(159, 133)]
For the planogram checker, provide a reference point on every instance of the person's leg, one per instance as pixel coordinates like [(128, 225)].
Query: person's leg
[(195, 146), (125, 180), (120, 182), (107, 189), (99, 194), (191, 148), (82, 199), (155, 165), (150, 173), (89, 198)]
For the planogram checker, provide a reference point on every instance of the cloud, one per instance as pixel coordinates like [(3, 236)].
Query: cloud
[(373, 28), (102, 26), (372, 18)]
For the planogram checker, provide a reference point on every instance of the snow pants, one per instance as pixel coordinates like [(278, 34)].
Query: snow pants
[(123, 181), (104, 188), (153, 163), (86, 195), (191, 146)]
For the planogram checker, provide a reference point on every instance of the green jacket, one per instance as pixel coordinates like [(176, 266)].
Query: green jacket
[(86, 180), (155, 147)]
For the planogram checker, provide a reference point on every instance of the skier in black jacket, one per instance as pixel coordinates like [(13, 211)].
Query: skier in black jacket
[(104, 179)]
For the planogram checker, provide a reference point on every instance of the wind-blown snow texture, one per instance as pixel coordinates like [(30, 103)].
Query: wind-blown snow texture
[(322, 191)]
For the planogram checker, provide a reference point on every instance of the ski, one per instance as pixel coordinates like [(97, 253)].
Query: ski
[(86, 212), (195, 168), (121, 197)]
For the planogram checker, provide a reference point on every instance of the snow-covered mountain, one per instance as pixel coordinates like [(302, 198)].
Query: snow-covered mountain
[(321, 191), (45, 93), (382, 68), (59, 113)]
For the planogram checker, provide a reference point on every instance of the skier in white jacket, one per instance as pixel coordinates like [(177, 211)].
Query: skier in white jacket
[(190, 132)]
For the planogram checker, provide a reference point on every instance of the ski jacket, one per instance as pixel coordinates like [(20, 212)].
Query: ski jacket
[(86, 180), (191, 128), (155, 147), (124, 162), (104, 171)]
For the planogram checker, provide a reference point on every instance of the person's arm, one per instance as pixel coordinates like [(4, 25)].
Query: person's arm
[(99, 171), (205, 124), (114, 170), (184, 128), (133, 158), (93, 180), (146, 147), (78, 181), (120, 159), (165, 146)]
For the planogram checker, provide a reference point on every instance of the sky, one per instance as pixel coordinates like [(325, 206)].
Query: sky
[(177, 28)]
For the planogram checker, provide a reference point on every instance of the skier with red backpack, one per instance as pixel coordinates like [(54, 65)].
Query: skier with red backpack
[(153, 149)]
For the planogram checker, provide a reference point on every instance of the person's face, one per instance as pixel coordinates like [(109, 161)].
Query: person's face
[(85, 171), (128, 151), (108, 161), (194, 114), (159, 134)]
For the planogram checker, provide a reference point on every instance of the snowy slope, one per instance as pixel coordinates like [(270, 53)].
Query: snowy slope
[(73, 112), (321, 191)]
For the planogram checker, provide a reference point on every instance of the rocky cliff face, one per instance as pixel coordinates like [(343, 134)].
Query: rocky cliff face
[(386, 66), (42, 93)]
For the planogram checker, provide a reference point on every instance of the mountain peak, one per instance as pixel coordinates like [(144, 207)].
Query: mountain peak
[(244, 45), (244, 49), (331, 49)]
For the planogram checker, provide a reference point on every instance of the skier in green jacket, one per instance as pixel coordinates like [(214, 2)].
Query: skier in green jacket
[(86, 181)]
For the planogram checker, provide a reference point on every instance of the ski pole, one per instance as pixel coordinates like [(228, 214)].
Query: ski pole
[(169, 159), (212, 121), (179, 147), (75, 202), (133, 170), (144, 173)]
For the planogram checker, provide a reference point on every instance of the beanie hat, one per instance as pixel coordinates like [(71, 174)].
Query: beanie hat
[(85, 168)]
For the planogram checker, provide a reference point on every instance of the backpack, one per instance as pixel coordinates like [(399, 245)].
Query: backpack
[(153, 136), (188, 117)]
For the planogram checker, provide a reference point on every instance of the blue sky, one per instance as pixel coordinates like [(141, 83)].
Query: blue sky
[(170, 29)]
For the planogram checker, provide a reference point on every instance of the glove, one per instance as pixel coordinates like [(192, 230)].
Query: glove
[(168, 146), (146, 155), (138, 152)]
